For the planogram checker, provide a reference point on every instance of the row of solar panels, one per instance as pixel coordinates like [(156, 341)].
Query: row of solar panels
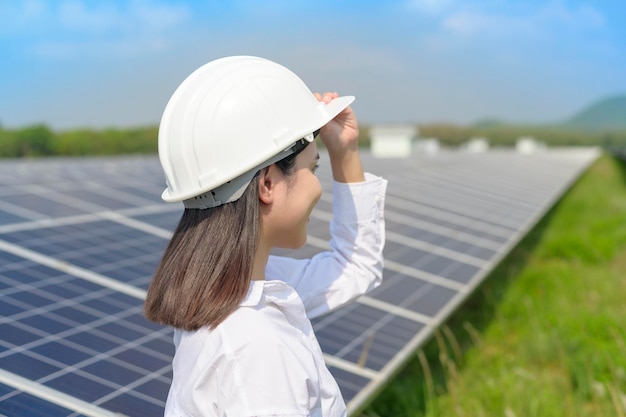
[(80, 238)]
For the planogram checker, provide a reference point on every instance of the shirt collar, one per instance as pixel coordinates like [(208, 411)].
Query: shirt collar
[(261, 291), (255, 292)]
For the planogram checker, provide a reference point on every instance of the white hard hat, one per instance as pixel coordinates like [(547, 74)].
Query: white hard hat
[(230, 118)]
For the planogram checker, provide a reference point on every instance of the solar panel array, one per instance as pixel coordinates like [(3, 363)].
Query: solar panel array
[(80, 238)]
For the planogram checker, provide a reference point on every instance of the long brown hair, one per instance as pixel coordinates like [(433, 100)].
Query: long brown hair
[(206, 269)]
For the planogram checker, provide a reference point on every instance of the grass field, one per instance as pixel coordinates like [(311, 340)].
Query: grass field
[(545, 335)]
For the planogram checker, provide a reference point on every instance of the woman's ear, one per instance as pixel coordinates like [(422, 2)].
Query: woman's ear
[(267, 184)]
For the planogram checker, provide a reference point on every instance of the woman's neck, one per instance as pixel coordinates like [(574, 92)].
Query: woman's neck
[(260, 261)]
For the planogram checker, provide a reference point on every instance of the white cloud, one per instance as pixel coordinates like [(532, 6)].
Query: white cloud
[(143, 15), (102, 47), (21, 16), (82, 28), (431, 7), (537, 22), (161, 16), (582, 16), (32, 8), (470, 23)]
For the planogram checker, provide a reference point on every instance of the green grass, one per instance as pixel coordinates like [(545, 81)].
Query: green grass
[(545, 335)]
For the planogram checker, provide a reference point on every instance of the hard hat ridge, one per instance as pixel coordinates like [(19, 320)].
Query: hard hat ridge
[(230, 118)]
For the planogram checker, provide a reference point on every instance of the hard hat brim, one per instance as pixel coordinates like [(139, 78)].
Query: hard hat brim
[(337, 106)]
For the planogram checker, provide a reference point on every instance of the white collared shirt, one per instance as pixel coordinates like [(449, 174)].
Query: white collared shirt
[(264, 359)]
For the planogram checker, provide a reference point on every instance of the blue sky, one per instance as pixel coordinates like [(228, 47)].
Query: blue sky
[(80, 63)]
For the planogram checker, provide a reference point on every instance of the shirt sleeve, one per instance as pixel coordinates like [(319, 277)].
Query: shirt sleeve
[(354, 263)]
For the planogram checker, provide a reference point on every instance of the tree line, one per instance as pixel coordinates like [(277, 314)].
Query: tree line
[(507, 135), (40, 140)]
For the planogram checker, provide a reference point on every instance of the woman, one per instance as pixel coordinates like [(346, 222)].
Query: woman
[(237, 144)]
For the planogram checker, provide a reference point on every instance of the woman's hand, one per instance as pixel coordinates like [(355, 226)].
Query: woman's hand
[(341, 137)]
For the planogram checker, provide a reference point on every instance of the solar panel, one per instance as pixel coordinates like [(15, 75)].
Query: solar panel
[(80, 238), (14, 402)]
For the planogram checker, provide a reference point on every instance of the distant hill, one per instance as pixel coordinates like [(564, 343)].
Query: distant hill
[(606, 114)]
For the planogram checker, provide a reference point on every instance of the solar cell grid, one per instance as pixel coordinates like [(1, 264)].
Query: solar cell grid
[(166, 221), (41, 205), (355, 331), (447, 218), (420, 296), (76, 342), (104, 247), (71, 230), (350, 383), (7, 217)]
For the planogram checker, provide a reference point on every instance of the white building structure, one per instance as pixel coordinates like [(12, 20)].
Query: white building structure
[(392, 141), (476, 145), (528, 145)]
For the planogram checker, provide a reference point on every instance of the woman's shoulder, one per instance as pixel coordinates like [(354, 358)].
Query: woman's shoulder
[(243, 333), (247, 337), (259, 327)]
